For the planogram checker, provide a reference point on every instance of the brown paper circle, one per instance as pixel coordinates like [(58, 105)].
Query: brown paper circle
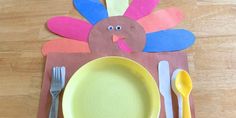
[(100, 38)]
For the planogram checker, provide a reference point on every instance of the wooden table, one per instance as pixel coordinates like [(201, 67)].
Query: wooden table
[(212, 60)]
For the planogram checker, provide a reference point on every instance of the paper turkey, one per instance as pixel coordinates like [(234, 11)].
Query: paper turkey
[(120, 26)]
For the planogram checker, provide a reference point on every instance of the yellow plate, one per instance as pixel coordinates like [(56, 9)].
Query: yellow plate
[(111, 87)]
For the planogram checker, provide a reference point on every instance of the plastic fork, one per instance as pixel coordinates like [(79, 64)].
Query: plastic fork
[(57, 84)]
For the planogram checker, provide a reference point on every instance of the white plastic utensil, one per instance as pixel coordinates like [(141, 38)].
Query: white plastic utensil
[(165, 89)]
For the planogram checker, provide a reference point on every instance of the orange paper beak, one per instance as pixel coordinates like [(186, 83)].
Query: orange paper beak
[(116, 38)]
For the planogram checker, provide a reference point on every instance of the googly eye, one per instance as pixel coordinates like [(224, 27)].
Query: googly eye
[(118, 28), (110, 28)]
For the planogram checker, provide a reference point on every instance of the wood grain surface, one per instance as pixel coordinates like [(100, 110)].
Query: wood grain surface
[(212, 60)]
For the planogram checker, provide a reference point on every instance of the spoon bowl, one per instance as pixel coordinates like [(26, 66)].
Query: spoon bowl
[(183, 83)]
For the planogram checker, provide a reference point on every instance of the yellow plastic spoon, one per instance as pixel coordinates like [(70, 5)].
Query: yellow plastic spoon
[(183, 85)]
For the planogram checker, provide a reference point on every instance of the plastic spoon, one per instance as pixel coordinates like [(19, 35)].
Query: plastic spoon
[(175, 73), (183, 85)]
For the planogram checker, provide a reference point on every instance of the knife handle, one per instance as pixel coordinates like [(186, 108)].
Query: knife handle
[(168, 106)]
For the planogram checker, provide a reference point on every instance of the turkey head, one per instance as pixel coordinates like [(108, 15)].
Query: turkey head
[(117, 33)]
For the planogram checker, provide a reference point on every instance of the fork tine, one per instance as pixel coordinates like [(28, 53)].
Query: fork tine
[(59, 76), (53, 76), (63, 74)]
